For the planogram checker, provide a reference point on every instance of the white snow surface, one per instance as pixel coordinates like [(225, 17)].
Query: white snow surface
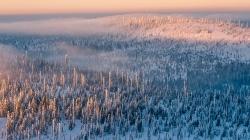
[(236, 38), (176, 27), (2, 128)]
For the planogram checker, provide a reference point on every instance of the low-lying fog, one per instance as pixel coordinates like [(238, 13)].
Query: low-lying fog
[(70, 26), (105, 60), (8, 57), (90, 59), (89, 24)]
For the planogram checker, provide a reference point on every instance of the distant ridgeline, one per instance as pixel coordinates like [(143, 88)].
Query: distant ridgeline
[(160, 78)]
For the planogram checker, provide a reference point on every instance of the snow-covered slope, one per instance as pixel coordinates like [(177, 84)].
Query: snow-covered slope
[(125, 77), (138, 25), (205, 31)]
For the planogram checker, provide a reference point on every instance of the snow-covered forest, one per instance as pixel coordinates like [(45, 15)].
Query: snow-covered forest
[(125, 77)]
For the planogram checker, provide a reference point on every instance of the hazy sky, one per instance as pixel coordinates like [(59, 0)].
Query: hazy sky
[(72, 6)]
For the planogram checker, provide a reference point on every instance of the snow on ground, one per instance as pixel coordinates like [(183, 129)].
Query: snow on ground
[(209, 36), (2, 128), (145, 27), (141, 26)]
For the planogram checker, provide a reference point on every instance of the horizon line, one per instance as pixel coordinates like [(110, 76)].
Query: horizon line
[(126, 12)]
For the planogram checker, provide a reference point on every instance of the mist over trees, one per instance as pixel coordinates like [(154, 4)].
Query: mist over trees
[(133, 85)]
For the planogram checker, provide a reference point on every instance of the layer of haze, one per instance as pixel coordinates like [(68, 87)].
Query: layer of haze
[(8, 56), (8, 7)]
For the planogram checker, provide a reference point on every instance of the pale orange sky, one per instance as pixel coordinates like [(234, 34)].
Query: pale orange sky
[(72, 6)]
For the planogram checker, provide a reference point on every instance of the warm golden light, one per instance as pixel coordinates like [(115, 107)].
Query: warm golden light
[(71, 6)]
